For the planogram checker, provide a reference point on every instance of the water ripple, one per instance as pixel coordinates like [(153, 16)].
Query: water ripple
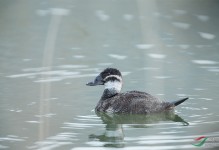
[(205, 62), (13, 138)]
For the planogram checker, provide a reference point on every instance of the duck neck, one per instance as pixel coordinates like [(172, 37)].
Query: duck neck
[(111, 89)]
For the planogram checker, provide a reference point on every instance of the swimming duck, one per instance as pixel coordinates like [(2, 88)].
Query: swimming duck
[(131, 102)]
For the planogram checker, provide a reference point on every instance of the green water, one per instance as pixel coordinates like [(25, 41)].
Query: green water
[(51, 49)]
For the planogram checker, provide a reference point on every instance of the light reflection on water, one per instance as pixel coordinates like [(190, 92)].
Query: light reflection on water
[(111, 133), (167, 49), (113, 128)]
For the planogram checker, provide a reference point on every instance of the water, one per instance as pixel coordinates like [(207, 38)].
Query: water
[(50, 50)]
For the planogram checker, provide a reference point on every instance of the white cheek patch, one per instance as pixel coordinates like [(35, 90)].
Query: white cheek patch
[(114, 85), (116, 76)]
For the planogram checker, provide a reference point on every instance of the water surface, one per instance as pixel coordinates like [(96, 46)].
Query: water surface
[(50, 50)]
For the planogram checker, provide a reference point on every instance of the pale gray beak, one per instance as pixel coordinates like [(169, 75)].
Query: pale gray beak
[(98, 81)]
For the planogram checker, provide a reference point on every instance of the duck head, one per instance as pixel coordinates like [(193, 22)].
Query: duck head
[(111, 78)]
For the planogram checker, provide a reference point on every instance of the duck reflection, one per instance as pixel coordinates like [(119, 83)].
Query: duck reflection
[(113, 135)]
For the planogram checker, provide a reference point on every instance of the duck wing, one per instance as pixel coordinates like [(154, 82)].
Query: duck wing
[(135, 102)]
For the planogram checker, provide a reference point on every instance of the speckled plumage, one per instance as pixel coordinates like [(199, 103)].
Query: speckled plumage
[(131, 102)]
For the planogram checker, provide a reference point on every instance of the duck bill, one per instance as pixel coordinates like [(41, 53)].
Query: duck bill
[(98, 81)]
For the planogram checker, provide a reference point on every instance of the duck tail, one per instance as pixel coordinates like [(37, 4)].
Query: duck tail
[(175, 103)]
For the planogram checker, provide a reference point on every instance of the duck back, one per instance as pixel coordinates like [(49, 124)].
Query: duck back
[(133, 102)]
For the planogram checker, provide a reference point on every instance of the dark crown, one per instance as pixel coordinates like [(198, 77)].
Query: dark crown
[(110, 71)]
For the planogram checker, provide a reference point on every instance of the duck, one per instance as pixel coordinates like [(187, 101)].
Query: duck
[(130, 102)]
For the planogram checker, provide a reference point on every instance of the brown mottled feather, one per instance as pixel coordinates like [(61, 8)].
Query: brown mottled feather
[(133, 102)]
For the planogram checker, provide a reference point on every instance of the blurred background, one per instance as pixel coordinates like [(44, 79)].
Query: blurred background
[(50, 49)]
